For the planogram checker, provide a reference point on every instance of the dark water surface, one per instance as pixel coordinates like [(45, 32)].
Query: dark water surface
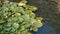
[(47, 9), (45, 29)]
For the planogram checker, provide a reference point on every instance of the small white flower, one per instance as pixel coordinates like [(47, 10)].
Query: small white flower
[(6, 16), (16, 25), (10, 2), (21, 4)]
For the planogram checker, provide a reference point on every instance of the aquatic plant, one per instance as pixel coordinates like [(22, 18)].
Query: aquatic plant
[(18, 18)]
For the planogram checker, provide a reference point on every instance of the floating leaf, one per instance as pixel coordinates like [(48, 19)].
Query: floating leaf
[(35, 29), (18, 18)]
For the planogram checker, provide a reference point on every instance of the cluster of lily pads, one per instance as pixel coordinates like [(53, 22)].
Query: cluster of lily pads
[(18, 18)]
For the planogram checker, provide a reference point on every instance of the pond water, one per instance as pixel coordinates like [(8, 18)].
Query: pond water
[(47, 9), (45, 29)]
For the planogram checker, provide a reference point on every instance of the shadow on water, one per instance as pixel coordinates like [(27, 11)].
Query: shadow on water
[(47, 9)]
